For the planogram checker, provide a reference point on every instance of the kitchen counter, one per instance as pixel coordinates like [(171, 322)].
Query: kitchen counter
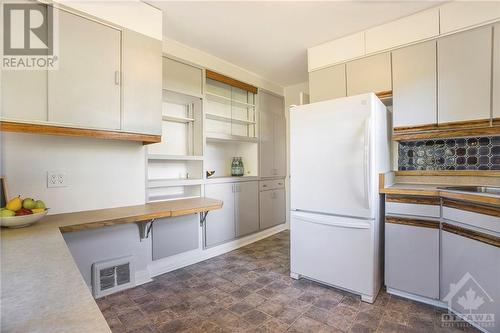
[(42, 289), (403, 183)]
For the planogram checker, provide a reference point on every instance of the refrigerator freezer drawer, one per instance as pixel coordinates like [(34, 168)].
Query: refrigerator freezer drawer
[(334, 250)]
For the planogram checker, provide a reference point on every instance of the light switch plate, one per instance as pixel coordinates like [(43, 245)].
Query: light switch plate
[(57, 178)]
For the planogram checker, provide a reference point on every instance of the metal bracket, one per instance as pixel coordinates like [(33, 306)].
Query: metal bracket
[(145, 228), (203, 218)]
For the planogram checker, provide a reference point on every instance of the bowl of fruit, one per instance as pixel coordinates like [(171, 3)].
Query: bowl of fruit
[(20, 213)]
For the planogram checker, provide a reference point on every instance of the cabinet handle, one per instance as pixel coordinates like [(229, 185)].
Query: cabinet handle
[(280, 183), (264, 185), (117, 78)]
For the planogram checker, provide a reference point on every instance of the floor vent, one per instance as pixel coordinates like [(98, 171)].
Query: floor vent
[(113, 275)]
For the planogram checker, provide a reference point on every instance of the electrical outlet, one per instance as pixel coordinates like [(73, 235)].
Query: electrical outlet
[(57, 179)]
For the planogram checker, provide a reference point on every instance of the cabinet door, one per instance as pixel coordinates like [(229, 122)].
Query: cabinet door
[(464, 76), (174, 235), (142, 83), (414, 85), (474, 268), (266, 138), (279, 206), (219, 226), (181, 77), (85, 90), (370, 74), (496, 72), (266, 209), (246, 208), (279, 146), (327, 83), (412, 259)]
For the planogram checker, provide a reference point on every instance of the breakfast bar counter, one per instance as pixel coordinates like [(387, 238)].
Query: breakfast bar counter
[(42, 289)]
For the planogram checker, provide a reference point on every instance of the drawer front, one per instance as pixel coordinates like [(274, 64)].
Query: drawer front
[(271, 184), (480, 216), (412, 209)]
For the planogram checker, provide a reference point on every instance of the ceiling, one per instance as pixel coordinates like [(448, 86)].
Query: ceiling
[(271, 38)]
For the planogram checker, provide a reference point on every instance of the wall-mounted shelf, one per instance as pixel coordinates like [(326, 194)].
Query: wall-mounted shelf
[(158, 183), (177, 119), (230, 179), (213, 136), (214, 116), (227, 100), (7, 126), (175, 157)]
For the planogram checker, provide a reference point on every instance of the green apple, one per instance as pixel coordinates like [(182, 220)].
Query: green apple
[(40, 204), (6, 213), (29, 203)]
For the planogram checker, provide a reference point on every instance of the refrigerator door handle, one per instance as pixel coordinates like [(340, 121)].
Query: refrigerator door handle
[(341, 224), (367, 163)]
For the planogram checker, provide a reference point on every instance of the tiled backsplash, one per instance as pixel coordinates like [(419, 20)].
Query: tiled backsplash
[(475, 153)]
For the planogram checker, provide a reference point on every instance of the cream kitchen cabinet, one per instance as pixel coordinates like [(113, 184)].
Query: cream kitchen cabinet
[(272, 136), (181, 77), (85, 90), (272, 203), (412, 255), (496, 71), (414, 85), (142, 83), (239, 216), (370, 74), (327, 83), (464, 76)]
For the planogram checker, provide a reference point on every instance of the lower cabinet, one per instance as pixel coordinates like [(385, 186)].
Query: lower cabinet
[(470, 278), (238, 216), (272, 203), (412, 256), (174, 235)]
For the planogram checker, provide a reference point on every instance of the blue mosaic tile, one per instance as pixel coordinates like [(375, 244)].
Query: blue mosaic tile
[(476, 153)]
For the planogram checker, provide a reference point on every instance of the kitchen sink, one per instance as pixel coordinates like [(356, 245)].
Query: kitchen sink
[(475, 189)]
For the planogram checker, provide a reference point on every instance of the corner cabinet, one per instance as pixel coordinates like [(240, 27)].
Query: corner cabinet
[(272, 136), (464, 76), (239, 216)]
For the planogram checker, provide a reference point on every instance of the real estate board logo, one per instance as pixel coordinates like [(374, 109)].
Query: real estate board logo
[(469, 302), (28, 37)]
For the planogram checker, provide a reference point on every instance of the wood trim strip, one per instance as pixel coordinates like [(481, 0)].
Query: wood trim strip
[(384, 94), (413, 200), (410, 192), (6, 126), (412, 222), (471, 207), (472, 234), (232, 82), (446, 133), (412, 129), (495, 121), (475, 173), (475, 198)]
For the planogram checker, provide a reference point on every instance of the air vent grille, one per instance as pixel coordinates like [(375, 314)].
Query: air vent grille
[(112, 275)]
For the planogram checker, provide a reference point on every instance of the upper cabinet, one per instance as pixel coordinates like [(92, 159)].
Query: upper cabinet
[(496, 72), (142, 80), (464, 76), (183, 78), (85, 89), (336, 51), (327, 83), (457, 15), (414, 85), (370, 74), (272, 136)]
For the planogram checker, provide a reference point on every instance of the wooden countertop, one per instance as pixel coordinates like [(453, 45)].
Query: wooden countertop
[(42, 288)]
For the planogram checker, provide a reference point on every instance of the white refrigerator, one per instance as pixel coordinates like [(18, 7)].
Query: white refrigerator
[(337, 150)]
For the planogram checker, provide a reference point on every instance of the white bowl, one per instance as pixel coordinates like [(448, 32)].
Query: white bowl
[(21, 221)]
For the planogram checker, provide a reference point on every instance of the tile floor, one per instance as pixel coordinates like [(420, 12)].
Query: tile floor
[(249, 290)]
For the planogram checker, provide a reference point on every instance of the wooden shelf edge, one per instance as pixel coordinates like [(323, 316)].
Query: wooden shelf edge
[(230, 81), (475, 173), (445, 133), (384, 94), (7, 126)]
